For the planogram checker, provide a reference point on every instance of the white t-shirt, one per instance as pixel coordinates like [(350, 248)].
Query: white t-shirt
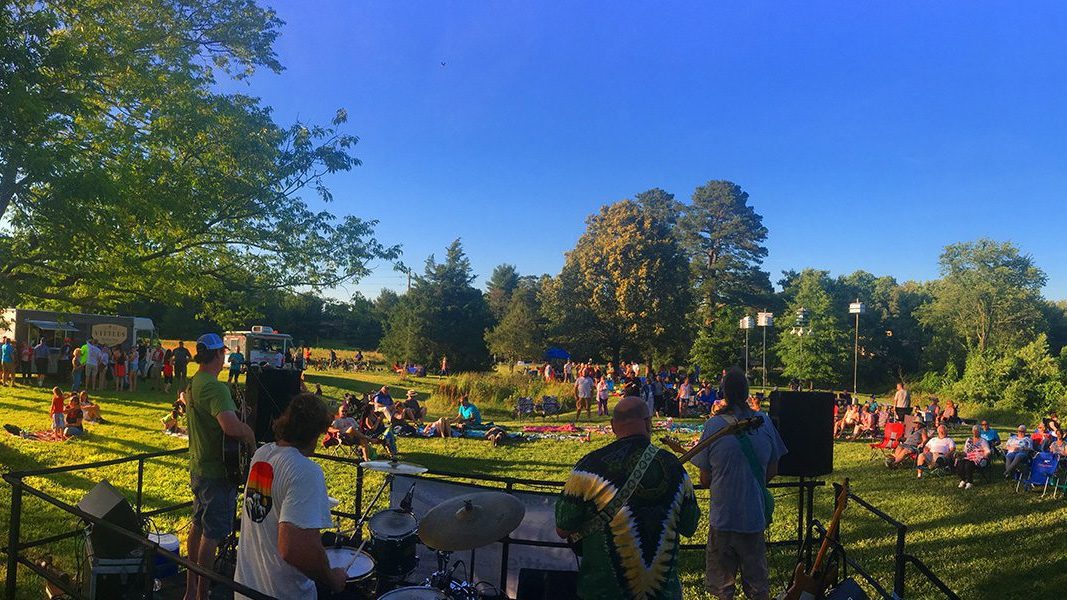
[(283, 485), (941, 445), (584, 385)]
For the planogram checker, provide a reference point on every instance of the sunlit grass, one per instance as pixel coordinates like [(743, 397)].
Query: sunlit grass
[(987, 542)]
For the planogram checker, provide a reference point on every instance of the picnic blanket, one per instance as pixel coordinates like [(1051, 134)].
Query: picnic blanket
[(41, 436)]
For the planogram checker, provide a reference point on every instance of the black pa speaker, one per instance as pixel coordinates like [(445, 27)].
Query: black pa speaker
[(269, 392), (805, 421), (106, 503), (541, 584)]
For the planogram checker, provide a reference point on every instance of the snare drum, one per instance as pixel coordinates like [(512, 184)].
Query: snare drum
[(362, 580), (414, 593), (394, 534)]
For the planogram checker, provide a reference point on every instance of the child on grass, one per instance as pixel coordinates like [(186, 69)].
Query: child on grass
[(57, 410), (602, 392)]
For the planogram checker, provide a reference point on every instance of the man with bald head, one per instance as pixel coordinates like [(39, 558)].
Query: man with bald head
[(625, 506)]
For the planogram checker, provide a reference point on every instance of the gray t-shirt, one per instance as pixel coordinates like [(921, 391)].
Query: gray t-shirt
[(584, 385), (736, 496)]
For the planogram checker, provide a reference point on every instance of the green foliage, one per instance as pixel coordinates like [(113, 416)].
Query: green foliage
[(125, 175), (496, 393), (442, 315), (1028, 379), (623, 290), (520, 334), (820, 354), (499, 288), (722, 344), (988, 297), (724, 235)]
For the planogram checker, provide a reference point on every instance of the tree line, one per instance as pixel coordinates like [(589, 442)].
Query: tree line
[(131, 183)]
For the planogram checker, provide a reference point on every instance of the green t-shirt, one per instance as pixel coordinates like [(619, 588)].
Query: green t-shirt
[(207, 397), (636, 555)]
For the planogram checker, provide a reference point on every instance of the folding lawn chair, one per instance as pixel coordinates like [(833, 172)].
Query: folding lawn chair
[(1042, 469), (524, 407), (549, 406), (894, 432)]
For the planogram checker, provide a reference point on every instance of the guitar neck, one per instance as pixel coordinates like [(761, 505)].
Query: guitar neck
[(831, 532), (729, 429)]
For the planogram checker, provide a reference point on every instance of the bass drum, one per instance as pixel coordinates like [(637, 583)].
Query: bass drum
[(414, 593), (362, 580), (394, 536)]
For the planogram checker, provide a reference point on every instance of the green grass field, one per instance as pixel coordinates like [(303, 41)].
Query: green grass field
[(987, 542)]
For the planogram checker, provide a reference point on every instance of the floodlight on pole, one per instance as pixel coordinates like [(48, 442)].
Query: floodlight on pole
[(856, 308), (746, 323), (801, 328), (765, 319)]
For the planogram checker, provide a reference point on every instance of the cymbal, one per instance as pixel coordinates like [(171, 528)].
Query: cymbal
[(471, 520), (394, 467)]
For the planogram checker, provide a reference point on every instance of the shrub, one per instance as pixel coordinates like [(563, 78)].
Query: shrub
[(496, 393)]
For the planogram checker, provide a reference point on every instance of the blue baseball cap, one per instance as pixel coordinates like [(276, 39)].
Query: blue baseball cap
[(210, 341)]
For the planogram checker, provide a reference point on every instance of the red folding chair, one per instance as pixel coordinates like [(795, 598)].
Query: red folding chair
[(894, 432)]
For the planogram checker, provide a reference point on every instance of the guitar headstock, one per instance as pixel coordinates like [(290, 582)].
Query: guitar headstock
[(673, 443), (745, 425)]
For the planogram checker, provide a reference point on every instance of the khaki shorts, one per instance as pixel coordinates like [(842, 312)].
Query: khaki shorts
[(729, 551), (8, 367), (581, 403)]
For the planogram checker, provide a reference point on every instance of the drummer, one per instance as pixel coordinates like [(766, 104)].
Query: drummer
[(285, 506)]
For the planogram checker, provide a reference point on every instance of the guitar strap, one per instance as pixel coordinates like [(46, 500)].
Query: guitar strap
[(606, 514), (757, 468)]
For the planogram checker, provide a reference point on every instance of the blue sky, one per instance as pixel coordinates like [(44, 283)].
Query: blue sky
[(868, 134)]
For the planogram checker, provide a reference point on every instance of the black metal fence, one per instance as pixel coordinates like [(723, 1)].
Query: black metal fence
[(16, 547), (901, 559)]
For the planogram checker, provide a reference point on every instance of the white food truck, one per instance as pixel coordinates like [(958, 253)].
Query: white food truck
[(260, 345)]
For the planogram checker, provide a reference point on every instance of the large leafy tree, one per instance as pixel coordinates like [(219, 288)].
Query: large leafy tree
[(442, 315), (815, 352), (623, 289), (520, 334), (125, 175), (724, 236), (988, 297), (499, 288)]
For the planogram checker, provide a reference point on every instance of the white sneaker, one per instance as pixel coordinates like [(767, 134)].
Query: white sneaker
[(919, 475), (969, 485), (962, 483)]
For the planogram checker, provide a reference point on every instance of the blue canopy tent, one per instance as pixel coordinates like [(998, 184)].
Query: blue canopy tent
[(557, 353)]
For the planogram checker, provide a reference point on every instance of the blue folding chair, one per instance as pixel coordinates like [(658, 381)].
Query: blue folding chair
[(524, 407), (1042, 468)]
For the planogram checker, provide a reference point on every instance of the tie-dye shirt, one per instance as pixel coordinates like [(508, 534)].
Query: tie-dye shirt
[(635, 556)]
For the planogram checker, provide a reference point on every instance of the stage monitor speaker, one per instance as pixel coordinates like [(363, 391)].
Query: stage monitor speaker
[(541, 584), (805, 421), (106, 503), (269, 392)]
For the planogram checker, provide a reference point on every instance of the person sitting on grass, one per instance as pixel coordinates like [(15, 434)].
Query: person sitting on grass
[(975, 456), (73, 417), (908, 447), (937, 452), (56, 411), (468, 417), (344, 422), (172, 423), (1017, 451), (90, 409), (412, 411)]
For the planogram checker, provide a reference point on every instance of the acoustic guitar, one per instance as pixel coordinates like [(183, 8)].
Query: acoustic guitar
[(687, 454), (812, 584)]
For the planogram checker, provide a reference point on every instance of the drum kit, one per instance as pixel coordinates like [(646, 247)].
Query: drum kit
[(379, 567)]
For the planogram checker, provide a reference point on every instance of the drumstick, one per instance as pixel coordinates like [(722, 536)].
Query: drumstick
[(356, 555)]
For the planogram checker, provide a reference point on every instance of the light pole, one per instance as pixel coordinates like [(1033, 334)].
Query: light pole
[(856, 308), (765, 319), (801, 328), (747, 324)]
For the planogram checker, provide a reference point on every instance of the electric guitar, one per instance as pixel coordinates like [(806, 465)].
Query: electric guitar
[(812, 584), (687, 454)]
